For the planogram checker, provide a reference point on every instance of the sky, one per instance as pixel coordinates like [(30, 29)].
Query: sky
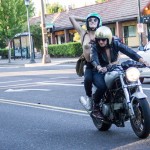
[(77, 3)]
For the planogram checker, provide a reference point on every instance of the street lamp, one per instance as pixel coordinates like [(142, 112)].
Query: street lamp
[(27, 2)]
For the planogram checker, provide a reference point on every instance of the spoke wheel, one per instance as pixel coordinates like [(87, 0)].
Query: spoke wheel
[(141, 122)]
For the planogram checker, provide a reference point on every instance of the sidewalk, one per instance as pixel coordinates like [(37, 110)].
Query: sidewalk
[(38, 62)]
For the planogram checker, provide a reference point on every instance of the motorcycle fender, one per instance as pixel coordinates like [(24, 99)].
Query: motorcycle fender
[(139, 95)]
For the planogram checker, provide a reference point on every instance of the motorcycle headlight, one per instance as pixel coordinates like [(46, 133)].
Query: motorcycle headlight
[(132, 74)]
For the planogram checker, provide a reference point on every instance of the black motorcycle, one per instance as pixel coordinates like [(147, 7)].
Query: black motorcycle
[(124, 100)]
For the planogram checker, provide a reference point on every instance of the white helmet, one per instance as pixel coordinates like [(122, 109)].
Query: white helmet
[(103, 32)]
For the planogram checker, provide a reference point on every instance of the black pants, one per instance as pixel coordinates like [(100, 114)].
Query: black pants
[(88, 80)]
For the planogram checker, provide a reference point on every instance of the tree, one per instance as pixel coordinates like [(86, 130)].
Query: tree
[(12, 17), (54, 8), (37, 35), (36, 31), (101, 1)]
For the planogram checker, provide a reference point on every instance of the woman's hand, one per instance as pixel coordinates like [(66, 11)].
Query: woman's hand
[(101, 69), (141, 60), (146, 63)]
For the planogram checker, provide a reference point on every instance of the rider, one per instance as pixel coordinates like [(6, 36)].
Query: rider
[(93, 21), (105, 52)]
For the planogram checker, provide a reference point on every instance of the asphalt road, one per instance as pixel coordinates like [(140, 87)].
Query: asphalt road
[(39, 110)]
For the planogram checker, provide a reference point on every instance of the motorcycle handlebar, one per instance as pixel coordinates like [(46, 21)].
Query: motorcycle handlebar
[(125, 65)]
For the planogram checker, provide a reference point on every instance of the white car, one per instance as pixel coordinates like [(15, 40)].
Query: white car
[(145, 53)]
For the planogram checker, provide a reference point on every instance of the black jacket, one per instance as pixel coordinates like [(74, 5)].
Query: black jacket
[(99, 57)]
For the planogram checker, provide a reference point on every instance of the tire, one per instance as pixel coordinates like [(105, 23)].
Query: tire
[(141, 79), (141, 123), (100, 125)]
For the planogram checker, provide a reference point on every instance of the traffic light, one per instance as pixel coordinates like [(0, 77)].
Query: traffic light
[(146, 19)]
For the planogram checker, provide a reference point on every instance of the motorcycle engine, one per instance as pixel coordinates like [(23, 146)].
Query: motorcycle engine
[(106, 110)]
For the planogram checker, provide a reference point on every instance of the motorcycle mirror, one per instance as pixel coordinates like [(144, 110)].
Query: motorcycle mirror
[(141, 48)]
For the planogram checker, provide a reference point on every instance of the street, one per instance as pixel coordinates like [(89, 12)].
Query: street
[(40, 110)]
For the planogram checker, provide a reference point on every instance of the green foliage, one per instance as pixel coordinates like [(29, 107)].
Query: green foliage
[(72, 49), (12, 17), (101, 1), (4, 53), (2, 43), (37, 35), (54, 8)]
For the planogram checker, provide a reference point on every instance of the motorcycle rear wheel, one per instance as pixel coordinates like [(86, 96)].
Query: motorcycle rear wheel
[(100, 125), (141, 123)]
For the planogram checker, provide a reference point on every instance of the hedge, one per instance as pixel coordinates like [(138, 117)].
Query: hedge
[(72, 49), (4, 53)]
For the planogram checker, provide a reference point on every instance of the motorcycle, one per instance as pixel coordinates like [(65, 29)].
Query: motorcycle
[(124, 100)]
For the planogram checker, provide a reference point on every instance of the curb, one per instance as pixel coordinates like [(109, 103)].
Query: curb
[(26, 63)]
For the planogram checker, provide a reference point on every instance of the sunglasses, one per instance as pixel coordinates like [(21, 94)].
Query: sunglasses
[(103, 40), (92, 20)]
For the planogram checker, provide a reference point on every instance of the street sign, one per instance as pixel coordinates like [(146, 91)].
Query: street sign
[(49, 25), (140, 28)]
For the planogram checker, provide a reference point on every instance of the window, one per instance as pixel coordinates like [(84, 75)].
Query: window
[(126, 31), (132, 31), (62, 39), (71, 35), (113, 30), (129, 31)]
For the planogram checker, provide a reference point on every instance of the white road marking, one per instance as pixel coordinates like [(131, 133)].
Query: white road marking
[(45, 107), (15, 81), (10, 67), (37, 73), (22, 90), (39, 84), (59, 78), (146, 88), (63, 84)]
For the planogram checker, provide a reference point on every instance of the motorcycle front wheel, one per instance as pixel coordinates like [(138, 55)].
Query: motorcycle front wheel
[(100, 125), (141, 122)]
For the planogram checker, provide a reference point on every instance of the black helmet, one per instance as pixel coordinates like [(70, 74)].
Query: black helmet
[(96, 15)]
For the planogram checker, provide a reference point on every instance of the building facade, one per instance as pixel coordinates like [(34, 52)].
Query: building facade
[(122, 16)]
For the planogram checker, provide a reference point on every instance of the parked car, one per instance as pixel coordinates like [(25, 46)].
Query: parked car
[(145, 53)]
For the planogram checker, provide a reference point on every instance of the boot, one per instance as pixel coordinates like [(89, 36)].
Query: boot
[(86, 102), (97, 113)]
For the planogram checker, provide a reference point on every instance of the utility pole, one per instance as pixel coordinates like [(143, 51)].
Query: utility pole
[(46, 56), (139, 21)]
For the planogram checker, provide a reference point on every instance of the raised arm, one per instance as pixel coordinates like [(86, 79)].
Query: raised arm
[(75, 22)]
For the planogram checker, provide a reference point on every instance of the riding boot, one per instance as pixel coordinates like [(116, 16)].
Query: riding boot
[(96, 112)]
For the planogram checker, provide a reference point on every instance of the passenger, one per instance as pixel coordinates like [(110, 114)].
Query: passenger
[(105, 52), (93, 21)]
